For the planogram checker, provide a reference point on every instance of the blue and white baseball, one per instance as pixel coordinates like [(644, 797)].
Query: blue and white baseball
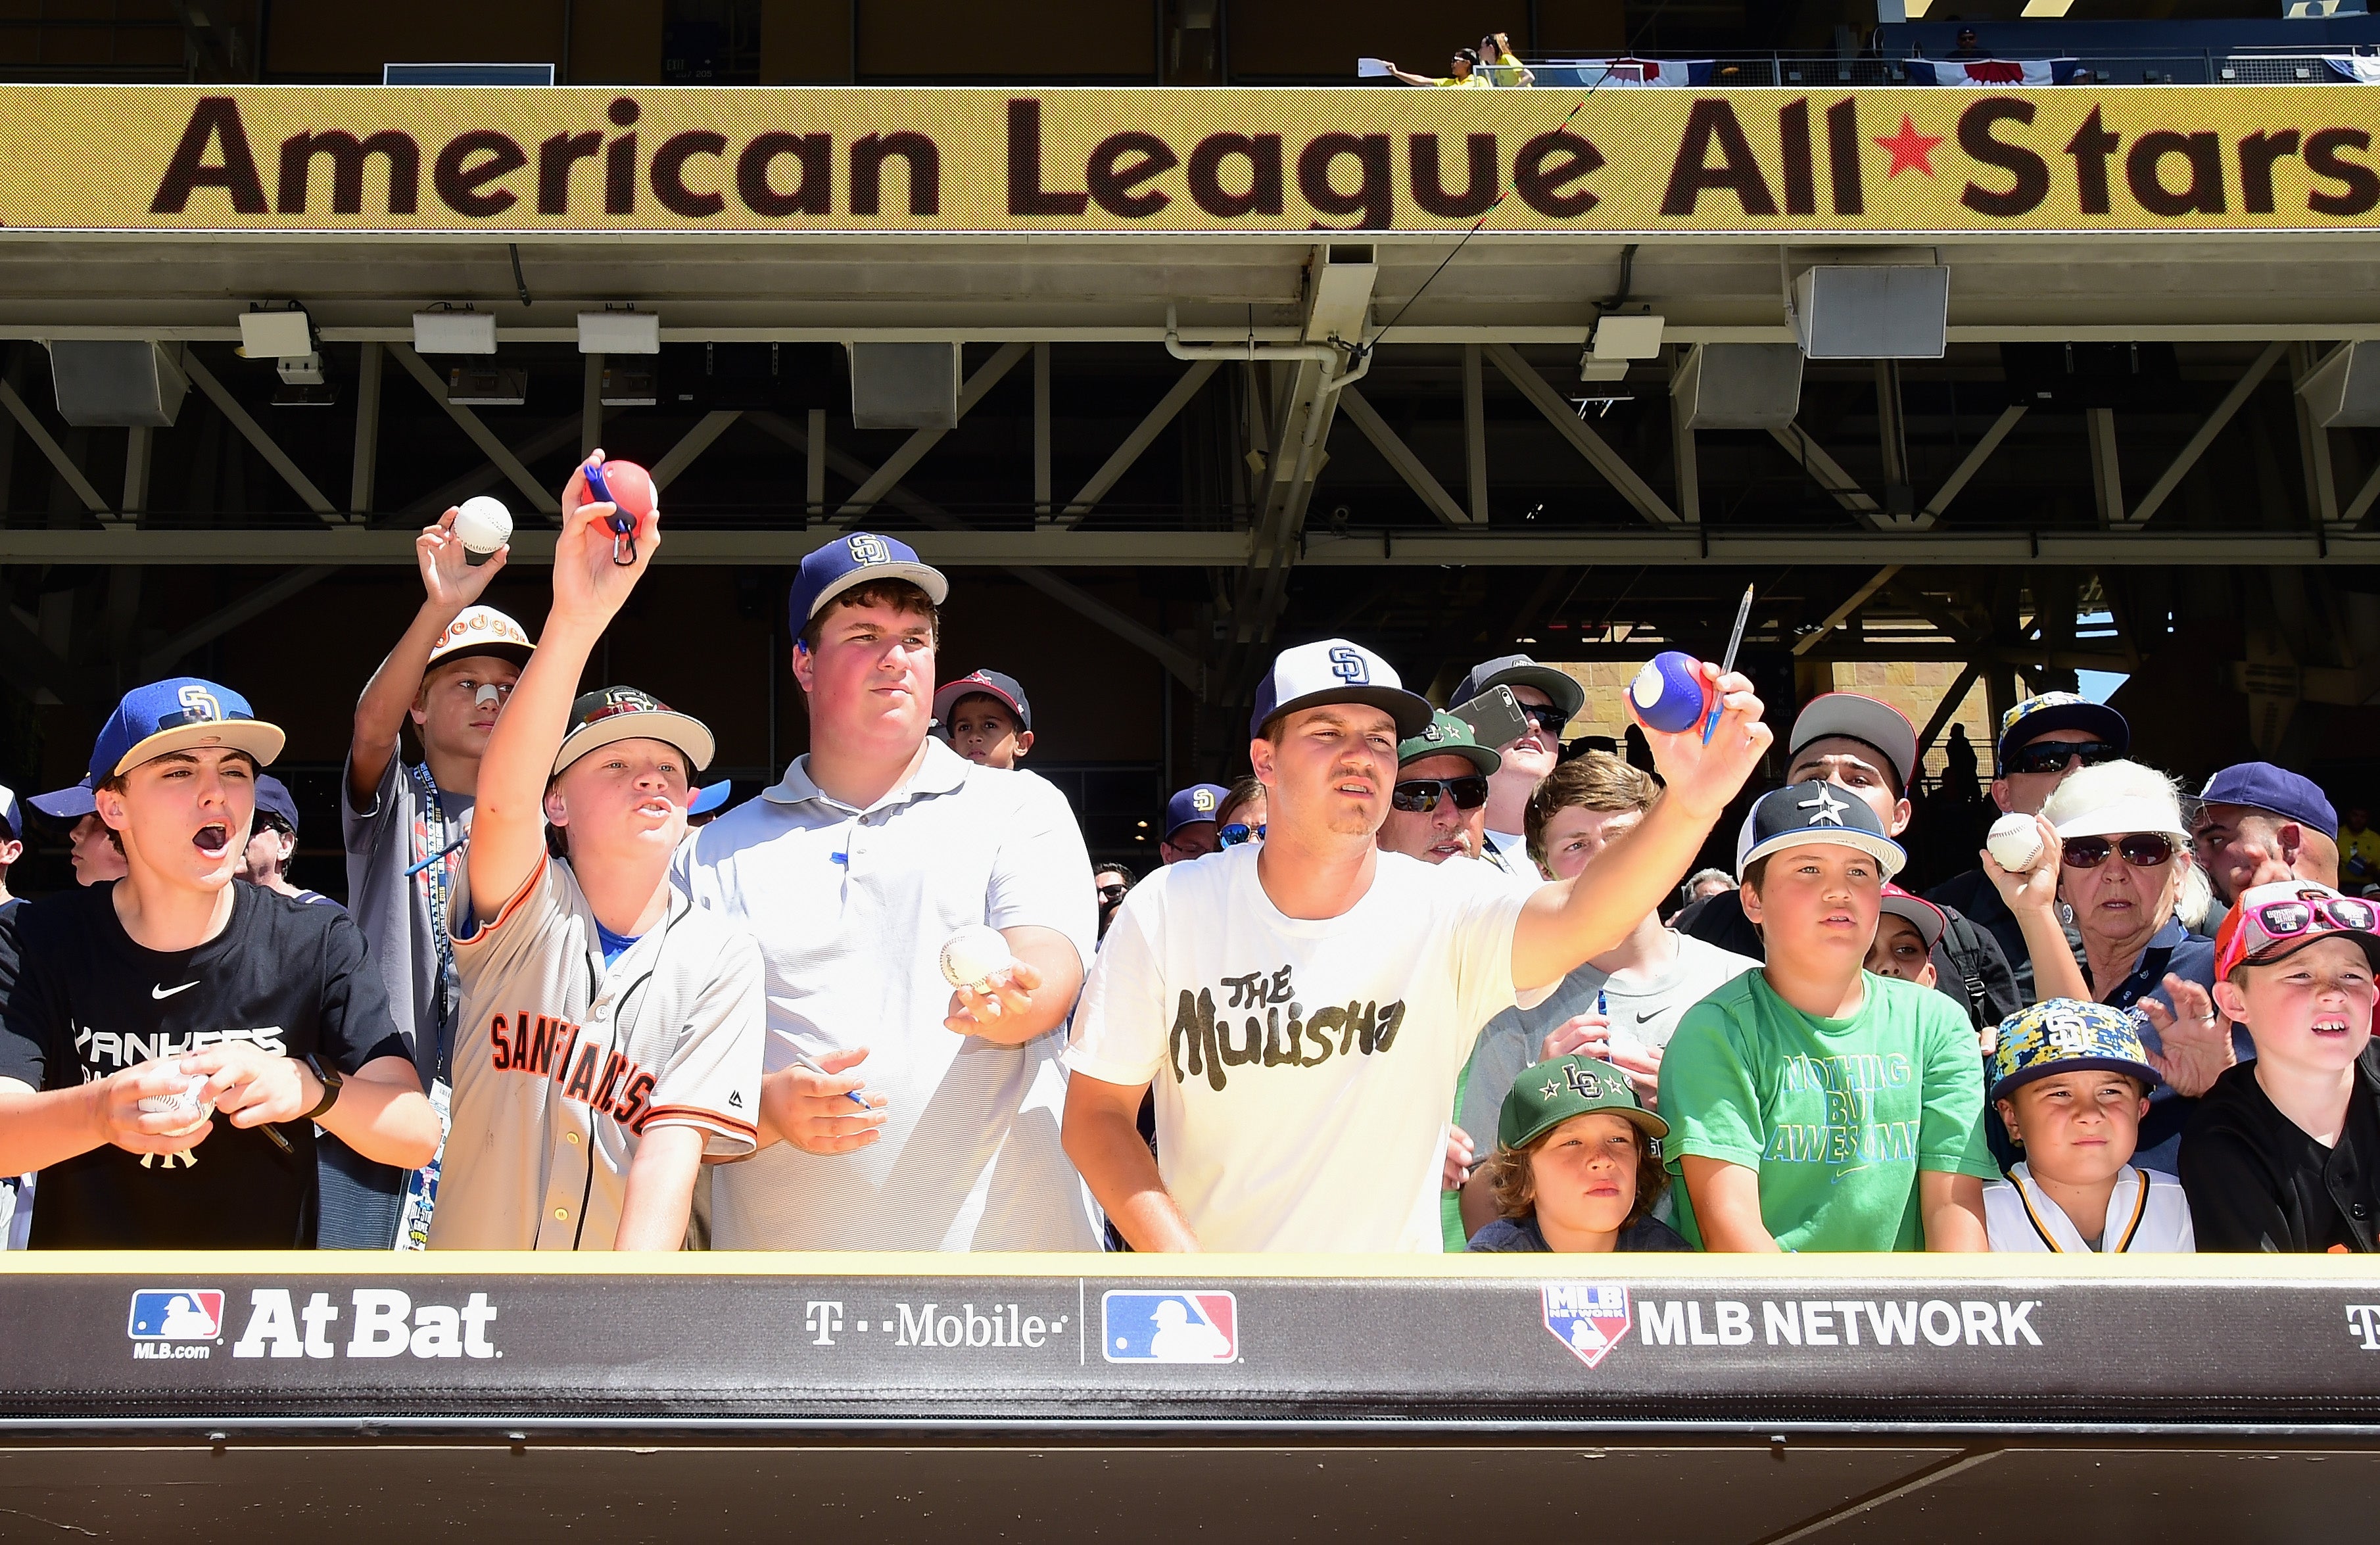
[(1668, 693)]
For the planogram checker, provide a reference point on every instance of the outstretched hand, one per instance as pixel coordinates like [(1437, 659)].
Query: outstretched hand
[(588, 586), (2197, 1039), (448, 578), (2032, 889), (1703, 778)]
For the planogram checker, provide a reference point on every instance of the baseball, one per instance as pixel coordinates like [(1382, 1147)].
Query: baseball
[(2014, 842), (974, 954), (189, 1103), (485, 525), (1668, 693)]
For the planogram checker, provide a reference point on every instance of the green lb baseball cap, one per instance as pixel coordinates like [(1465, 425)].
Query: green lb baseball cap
[(1550, 1093), (1446, 736)]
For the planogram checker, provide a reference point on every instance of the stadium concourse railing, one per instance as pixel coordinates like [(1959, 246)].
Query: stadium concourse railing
[(2246, 67), (230, 1344)]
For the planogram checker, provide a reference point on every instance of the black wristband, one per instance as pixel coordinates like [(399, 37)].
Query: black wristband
[(331, 1078)]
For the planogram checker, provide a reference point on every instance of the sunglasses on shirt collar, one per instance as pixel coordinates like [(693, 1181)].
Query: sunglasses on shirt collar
[(2052, 755), (2140, 849), (1420, 795)]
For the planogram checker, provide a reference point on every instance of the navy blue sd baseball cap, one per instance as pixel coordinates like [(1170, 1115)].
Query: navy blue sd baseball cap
[(1334, 671), (1800, 814), (1198, 802), (273, 798), (858, 559), (70, 803), (178, 714), (2260, 786), (998, 686)]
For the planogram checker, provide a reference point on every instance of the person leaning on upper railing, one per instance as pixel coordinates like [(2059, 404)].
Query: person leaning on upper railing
[(1500, 64), (1463, 71), (2115, 859)]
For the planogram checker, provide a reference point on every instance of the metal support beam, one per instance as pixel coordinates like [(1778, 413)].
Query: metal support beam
[(255, 603), (539, 497), (1843, 613), (2187, 457), (2357, 507), (1042, 490), (590, 406), (874, 486), (2106, 465), (254, 432), (1977, 454), (2313, 443), (1474, 434), (65, 464), (692, 443), (814, 480), (1682, 458), (555, 436), (1948, 707), (140, 456), (1588, 444), (366, 473), (1825, 471), (1144, 434), (1400, 456)]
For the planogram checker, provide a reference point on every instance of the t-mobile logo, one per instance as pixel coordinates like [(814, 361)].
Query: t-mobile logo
[(2364, 1322), (825, 1317)]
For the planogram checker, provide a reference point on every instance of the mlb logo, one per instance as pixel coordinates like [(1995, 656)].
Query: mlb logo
[(1170, 1327), (176, 1314), (1589, 1317)]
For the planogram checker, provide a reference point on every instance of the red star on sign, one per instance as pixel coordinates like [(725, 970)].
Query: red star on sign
[(1909, 149)]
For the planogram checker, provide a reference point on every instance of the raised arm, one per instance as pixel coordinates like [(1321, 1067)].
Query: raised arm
[(449, 583), (1570, 921), (508, 823), (2031, 896)]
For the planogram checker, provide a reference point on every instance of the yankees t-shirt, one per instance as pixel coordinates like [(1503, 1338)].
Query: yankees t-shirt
[(1303, 1069), (86, 1001)]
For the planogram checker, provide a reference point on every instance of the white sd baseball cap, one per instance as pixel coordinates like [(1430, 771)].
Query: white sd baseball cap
[(1334, 671)]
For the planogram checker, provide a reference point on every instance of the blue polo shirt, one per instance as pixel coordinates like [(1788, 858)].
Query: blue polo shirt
[(2173, 950)]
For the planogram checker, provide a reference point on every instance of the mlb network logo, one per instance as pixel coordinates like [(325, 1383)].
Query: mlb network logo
[(1170, 1327), (1589, 1317), (176, 1314)]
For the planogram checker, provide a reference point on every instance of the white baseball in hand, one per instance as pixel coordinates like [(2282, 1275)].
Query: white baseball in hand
[(485, 525), (974, 954), (2014, 842), (190, 1102)]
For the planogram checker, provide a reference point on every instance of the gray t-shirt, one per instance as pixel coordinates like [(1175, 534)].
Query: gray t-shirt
[(1640, 1011), (385, 838)]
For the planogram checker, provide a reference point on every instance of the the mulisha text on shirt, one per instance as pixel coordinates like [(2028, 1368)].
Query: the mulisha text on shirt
[(1284, 1037)]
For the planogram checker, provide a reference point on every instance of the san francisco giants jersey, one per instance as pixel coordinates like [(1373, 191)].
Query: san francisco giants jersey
[(562, 1064)]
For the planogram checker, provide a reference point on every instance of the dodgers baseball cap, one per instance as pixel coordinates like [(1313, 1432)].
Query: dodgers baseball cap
[(178, 714), (10, 813), (1446, 736), (1519, 670), (1334, 671), (2061, 710), (2066, 1035), (611, 713), (998, 685), (1920, 913), (857, 559), (2261, 786), (711, 797), (1547, 1095), (1198, 802), (2272, 921), (1864, 719), (70, 803), (1800, 814), (273, 798), (481, 630)]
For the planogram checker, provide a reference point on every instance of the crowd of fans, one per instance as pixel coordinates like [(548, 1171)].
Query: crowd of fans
[(1397, 989)]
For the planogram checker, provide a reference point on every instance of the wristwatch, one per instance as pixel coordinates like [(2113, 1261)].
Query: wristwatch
[(331, 1078)]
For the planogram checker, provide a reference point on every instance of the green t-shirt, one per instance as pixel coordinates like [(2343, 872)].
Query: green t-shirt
[(1837, 1115)]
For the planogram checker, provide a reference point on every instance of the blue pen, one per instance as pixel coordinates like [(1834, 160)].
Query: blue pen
[(1735, 641), (811, 1062)]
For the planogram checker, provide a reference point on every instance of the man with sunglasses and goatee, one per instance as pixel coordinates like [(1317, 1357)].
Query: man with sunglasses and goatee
[(2042, 740), (1437, 808)]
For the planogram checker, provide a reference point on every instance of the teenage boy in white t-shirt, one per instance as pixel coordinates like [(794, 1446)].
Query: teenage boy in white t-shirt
[(1302, 1007)]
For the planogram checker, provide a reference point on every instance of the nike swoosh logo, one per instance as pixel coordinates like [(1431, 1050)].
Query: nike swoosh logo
[(1649, 1014), (169, 991)]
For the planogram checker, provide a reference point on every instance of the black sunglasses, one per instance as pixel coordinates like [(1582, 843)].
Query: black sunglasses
[(1420, 795), (2051, 756), (1546, 716), (1113, 893), (2141, 850)]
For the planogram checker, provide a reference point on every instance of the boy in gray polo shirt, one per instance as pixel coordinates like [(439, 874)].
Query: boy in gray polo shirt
[(852, 872)]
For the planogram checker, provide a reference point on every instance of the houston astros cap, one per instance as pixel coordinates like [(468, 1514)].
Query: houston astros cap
[(70, 803), (2061, 710), (2261, 786), (2066, 1035), (611, 713), (273, 798), (2269, 922), (1334, 671), (1519, 670), (1799, 814), (482, 630), (9, 813), (1198, 802), (857, 559), (178, 714), (1446, 736), (1920, 913), (1550, 1093), (998, 685), (1864, 719)]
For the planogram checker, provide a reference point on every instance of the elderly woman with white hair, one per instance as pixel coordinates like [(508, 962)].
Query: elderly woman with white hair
[(2116, 861)]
